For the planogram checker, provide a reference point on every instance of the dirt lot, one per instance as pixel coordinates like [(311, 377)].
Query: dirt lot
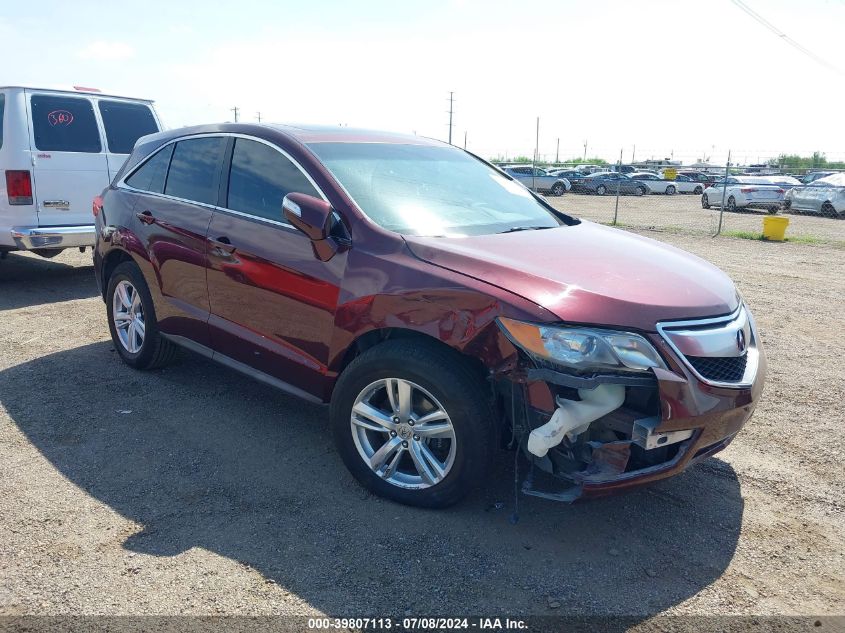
[(195, 490), (684, 212)]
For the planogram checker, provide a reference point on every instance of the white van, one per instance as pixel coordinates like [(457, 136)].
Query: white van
[(58, 150)]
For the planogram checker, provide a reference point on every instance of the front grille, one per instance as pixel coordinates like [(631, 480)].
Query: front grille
[(720, 351), (724, 369)]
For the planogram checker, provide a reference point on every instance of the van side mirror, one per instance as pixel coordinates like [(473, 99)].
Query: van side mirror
[(318, 221)]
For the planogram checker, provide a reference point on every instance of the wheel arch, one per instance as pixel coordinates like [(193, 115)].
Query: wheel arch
[(374, 337), (112, 260)]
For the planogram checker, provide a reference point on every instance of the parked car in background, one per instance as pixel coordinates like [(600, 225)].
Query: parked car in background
[(815, 175), (608, 183), (538, 179), (742, 192), (825, 195), (440, 312), (59, 149), (685, 184), (784, 182), (699, 176), (572, 176), (623, 169), (655, 183)]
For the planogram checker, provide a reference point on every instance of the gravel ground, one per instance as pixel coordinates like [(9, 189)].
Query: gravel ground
[(193, 490), (684, 212)]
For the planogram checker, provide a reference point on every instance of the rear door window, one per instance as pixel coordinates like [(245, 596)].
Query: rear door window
[(125, 123), (64, 124), (195, 168), (260, 177), (152, 174)]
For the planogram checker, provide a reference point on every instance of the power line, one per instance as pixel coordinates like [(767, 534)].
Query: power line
[(785, 37)]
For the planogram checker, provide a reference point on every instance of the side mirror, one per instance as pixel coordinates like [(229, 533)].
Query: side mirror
[(318, 221), (309, 214)]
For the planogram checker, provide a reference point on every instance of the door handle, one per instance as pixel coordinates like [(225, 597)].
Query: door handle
[(222, 247), (146, 217)]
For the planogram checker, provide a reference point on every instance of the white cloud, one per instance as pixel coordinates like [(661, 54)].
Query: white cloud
[(102, 50)]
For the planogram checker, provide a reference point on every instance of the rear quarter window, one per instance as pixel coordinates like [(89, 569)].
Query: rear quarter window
[(195, 168), (2, 112), (64, 124), (125, 123), (151, 175)]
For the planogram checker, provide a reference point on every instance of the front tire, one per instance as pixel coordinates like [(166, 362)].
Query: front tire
[(413, 423), (705, 202), (601, 190), (698, 191), (559, 189), (670, 190), (132, 320)]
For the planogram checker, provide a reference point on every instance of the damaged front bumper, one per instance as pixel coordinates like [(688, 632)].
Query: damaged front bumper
[(668, 420)]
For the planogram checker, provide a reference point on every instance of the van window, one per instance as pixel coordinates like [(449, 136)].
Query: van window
[(151, 175), (125, 123), (64, 124), (194, 169), (2, 111), (260, 177)]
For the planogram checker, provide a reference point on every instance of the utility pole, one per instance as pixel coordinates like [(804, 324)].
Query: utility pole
[(258, 114), (465, 139), (451, 101), (585, 151), (236, 109), (557, 151), (536, 156), (633, 153)]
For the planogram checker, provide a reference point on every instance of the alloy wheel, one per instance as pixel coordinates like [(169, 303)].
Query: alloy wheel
[(403, 433), (128, 316)]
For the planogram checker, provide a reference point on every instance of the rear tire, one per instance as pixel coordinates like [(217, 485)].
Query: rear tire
[(731, 205), (382, 448), (828, 210), (641, 191), (132, 320), (698, 191), (670, 190)]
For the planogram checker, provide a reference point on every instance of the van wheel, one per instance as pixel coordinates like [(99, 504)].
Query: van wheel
[(132, 320), (413, 423)]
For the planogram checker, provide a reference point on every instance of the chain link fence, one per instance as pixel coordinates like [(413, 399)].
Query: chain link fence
[(700, 199)]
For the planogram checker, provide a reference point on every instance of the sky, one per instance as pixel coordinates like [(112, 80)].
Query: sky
[(645, 78)]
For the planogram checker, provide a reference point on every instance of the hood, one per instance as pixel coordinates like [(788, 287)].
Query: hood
[(589, 274)]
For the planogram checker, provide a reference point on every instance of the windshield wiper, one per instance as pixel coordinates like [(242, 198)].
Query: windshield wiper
[(514, 229)]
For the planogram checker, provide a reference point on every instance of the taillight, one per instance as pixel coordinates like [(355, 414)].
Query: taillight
[(97, 206), (748, 190), (18, 186), (781, 190)]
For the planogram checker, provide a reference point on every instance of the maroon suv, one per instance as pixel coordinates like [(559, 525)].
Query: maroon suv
[(440, 307)]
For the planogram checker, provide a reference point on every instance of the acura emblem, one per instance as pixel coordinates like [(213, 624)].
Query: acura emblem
[(740, 341)]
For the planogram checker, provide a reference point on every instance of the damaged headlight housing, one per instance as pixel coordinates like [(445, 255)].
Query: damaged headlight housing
[(583, 349)]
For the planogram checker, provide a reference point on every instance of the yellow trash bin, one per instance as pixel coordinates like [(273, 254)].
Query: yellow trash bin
[(774, 228)]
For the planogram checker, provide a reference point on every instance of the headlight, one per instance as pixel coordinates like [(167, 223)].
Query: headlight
[(583, 349)]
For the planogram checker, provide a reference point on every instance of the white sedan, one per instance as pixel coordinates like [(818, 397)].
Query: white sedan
[(741, 192), (655, 183), (825, 196)]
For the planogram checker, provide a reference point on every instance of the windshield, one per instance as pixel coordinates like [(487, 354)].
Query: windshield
[(431, 190)]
